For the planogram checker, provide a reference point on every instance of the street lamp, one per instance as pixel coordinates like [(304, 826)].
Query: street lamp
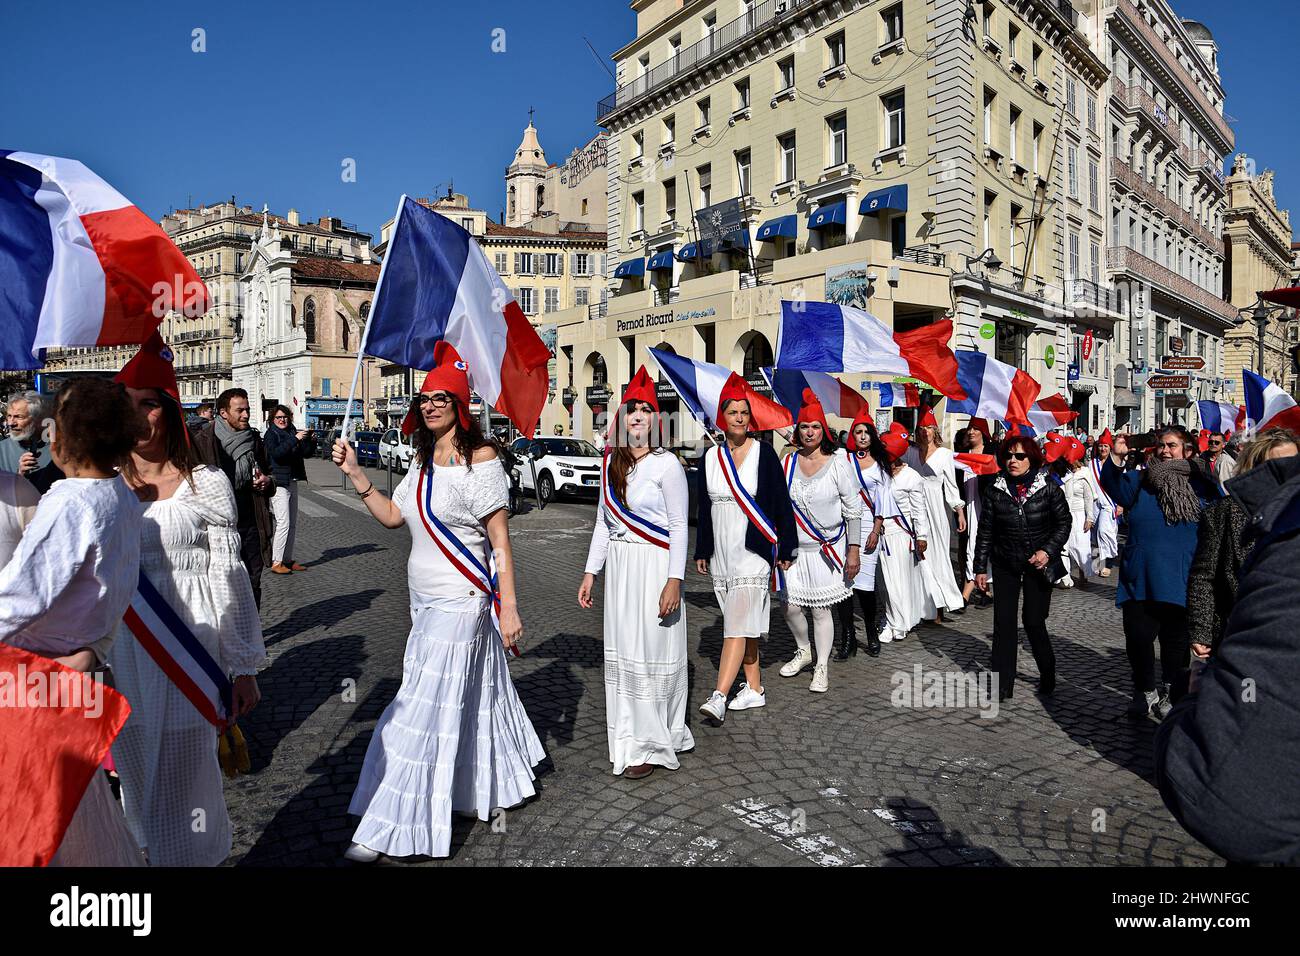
[(1261, 313), (988, 257)]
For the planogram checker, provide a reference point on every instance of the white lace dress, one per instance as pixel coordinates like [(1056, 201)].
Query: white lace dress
[(827, 498), (456, 737), (1083, 507), (741, 579), (166, 754)]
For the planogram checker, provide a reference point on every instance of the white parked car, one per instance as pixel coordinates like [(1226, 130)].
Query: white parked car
[(396, 447), (563, 466)]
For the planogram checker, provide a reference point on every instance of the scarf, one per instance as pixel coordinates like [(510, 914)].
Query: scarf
[(1170, 481), (1019, 487), (239, 446)]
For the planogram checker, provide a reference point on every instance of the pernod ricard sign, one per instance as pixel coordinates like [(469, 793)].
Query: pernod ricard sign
[(659, 318)]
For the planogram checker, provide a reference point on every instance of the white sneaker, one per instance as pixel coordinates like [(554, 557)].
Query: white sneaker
[(715, 707), (747, 699), (820, 682), (802, 658), (361, 854), (886, 637), (1066, 582)]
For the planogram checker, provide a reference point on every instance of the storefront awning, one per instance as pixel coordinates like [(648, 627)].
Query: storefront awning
[(633, 267), (661, 261), (827, 216), (786, 227), (893, 199), (737, 240), (692, 249), (1289, 297)]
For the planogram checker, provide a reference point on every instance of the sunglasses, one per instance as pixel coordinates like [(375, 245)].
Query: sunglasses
[(1017, 456)]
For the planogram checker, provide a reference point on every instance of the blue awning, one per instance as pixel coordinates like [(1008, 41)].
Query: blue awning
[(737, 240), (786, 227), (827, 215), (691, 249), (633, 267), (894, 198), (661, 261)]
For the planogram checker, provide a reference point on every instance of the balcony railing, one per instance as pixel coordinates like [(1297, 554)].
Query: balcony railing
[(1137, 98), (597, 310), (1172, 282), (921, 255), (1119, 170), (666, 296), (203, 369), (723, 38), (1091, 293)]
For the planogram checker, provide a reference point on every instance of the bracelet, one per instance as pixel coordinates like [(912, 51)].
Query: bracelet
[(366, 493)]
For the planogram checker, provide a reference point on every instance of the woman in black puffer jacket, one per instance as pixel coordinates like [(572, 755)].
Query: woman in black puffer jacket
[(1024, 523)]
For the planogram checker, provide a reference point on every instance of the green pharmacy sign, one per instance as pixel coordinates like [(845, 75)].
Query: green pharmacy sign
[(1050, 356)]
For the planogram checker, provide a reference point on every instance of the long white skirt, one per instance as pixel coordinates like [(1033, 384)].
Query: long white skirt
[(813, 581), (1107, 532), (866, 578), (906, 601), (741, 578), (455, 738), (940, 581), (645, 661), (98, 834), (1078, 547)]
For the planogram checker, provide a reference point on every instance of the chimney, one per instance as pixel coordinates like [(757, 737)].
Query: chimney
[(293, 218)]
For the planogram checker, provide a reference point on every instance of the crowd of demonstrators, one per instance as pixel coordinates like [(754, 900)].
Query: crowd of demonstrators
[(1163, 499), (70, 579), (1221, 548), (166, 753), (868, 466), (639, 541), (231, 445), (286, 447), (745, 535), (1024, 525), (1107, 516), (1228, 754), (456, 738), (26, 449), (824, 497), (934, 464)]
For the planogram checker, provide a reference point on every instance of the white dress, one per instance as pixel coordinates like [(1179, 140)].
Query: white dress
[(67, 586), (901, 566), (941, 500), (1083, 505), (166, 753), (741, 578), (878, 491), (18, 501), (456, 737), (830, 500), (646, 665), (1106, 529), (974, 507)]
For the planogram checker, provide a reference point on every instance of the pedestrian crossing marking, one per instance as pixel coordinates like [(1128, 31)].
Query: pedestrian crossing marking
[(313, 510)]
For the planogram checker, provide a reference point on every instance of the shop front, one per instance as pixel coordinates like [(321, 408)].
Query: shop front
[(323, 413)]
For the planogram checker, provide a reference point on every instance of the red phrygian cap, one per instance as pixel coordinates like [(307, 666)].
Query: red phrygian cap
[(1054, 446), (811, 411), (1203, 439), (895, 441), (981, 425), (764, 414), (1074, 450), (151, 367), (927, 417), (641, 389), (449, 374), (863, 417), (1106, 438)]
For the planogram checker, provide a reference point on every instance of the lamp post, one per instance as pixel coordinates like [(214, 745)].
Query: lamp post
[(1261, 313), (988, 258)]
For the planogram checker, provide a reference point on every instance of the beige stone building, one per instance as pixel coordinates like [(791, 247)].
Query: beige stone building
[(1259, 259), (921, 159), (571, 193)]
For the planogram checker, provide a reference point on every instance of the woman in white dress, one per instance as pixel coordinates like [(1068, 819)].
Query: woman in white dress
[(1077, 485), (640, 541), (929, 459), (867, 459), (745, 534), (828, 514), (456, 737), (904, 548), (72, 578), (1106, 528), (166, 754)]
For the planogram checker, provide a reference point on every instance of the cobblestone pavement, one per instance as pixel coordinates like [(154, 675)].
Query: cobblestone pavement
[(833, 779)]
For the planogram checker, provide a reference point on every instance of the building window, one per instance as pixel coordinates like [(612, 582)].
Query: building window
[(239, 262), (785, 74), (990, 198), (1094, 259), (1092, 112), (1035, 57), (525, 298), (1013, 135), (580, 296), (704, 112), (309, 319), (785, 150), (552, 300), (990, 100), (554, 263), (1015, 235), (742, 94), (898, 235), (1074, 255), (670, 131), (1072, 158), (584, 207), (638, 212), (638, 147), (891, 21), (835, 50), (502, 260), (988, 18), (1071, 96), (704, 174), (1035, 146), (1094, 186), (837, 140), (895, 123), (467, 225), (670, 199), (524, 264), (582, 264), (742, 172)]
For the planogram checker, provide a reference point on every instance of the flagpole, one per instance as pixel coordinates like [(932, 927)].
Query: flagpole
[(365, 330)]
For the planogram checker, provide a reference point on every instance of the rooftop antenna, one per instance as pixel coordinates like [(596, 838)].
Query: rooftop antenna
[(599, 60)]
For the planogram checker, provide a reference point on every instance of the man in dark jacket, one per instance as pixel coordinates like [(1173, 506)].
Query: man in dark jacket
[(1228, 755), (229, 444)]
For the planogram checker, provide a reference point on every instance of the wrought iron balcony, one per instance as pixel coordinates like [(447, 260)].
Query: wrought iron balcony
[(1172, 283), (921, 255)]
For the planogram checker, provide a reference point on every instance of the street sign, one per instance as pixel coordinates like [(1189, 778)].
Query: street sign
[(1169, 381), (1176, 344), (1177, 400), (1191, 362)]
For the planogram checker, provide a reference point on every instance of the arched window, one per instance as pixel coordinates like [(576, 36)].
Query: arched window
[(346, 332), (309, 319), (365, 313), (512, 201), (541, 198)]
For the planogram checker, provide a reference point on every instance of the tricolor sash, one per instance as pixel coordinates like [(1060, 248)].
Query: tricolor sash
[(637, 525), (825, 545), (863, 490), (167, 639), (1096, 474), (749, 507), (462, 558)]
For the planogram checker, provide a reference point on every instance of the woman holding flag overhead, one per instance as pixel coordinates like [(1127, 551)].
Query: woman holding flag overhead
[(867, 465), (828, 516), (745, 540), (456, 737), (934, 463), (640, 540), (194, 619)]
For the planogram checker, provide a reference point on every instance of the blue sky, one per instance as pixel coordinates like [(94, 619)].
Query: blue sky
[(412, 91)]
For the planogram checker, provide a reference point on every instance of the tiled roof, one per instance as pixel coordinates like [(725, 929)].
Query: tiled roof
[(318, 268)]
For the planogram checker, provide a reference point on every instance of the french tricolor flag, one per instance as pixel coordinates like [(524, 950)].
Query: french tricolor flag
[(699, 385), (835, 397), (436, 284), (1050, 413), (905, 395), (1267, 406), (1221, 417), (79, 265), (994, 389), (824, 337)]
